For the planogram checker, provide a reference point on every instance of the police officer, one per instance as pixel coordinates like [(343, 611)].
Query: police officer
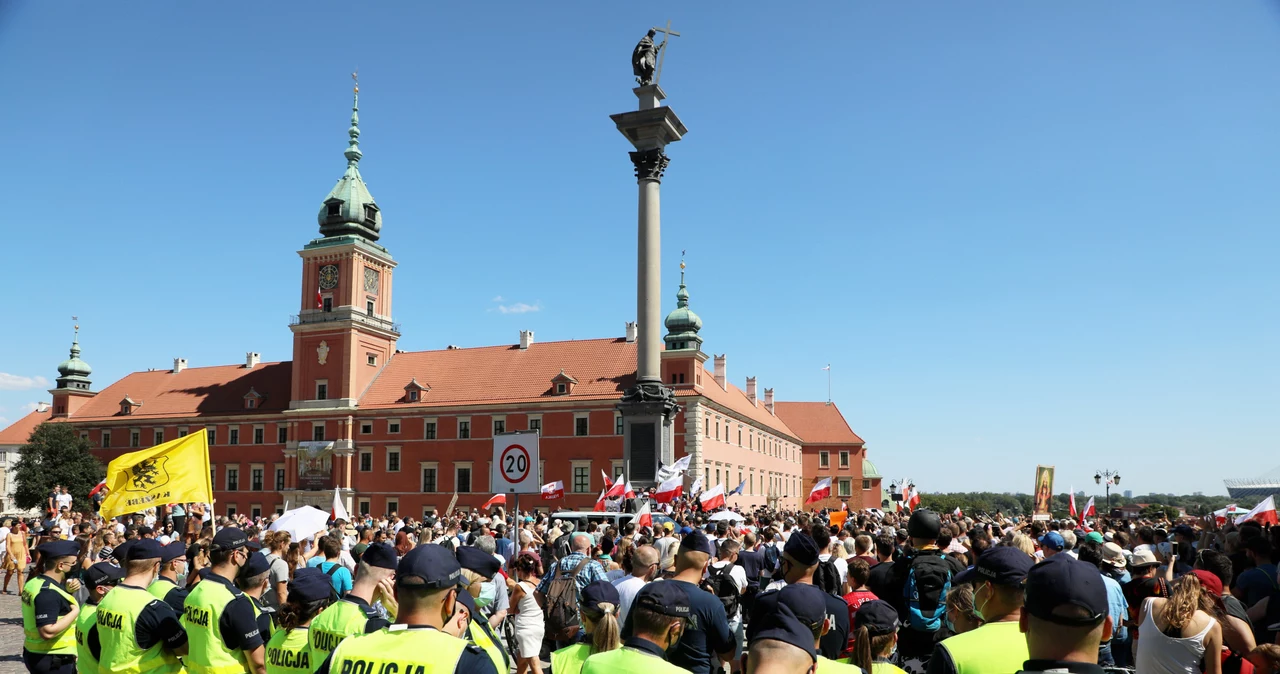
[(133, 631), (354, 613), (49, 611), (289, 650), (569, 660), (98, 580), (783, 642), (998, 645), (253, 581), (485, 565), (173, 563), (426, 637), (657, 617), (219, 619), (806, 604)]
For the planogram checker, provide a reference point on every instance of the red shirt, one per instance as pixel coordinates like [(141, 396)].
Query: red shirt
[(854, 600)]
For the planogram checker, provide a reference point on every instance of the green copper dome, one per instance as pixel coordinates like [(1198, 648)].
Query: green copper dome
[(682, 324), (869, 470), (349, 208), (73, 372)]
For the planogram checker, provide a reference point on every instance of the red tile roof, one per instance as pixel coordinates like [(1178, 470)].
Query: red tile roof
[(195, 391), (19, 431), (736, 400), (603, 369), (817, 423)]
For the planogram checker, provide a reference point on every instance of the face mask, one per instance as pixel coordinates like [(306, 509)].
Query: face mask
[(488, 594), (977, 608), (951, 627)]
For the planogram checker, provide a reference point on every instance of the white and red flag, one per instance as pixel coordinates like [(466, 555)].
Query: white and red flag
[(101, 485), (339, 511), (319, 300), (915, 499), (1071, 501), (958, 512), (644, 518), (697, 486), (497, 499), (820, 491), (1263, 513), (617, 489), (600, 502), (553, 490), (607, 482), (629, 493), (1089, 509), (668, 491), (712, 498)]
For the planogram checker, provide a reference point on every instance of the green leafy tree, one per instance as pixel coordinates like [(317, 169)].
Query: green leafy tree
[(55, 454)]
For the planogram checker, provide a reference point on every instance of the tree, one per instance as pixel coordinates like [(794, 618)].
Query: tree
[(55, 454)]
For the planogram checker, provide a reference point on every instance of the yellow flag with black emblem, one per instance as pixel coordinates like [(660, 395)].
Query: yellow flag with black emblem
[(172, 472)]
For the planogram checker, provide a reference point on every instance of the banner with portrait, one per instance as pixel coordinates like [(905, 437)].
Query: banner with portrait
[(1043, 494)]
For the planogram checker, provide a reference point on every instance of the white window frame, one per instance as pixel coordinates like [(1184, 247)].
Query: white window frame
[(844, 458), (316, 390), (844, 487), (495, 420), (256, 429), (314, 426), (262, 467), (424, 465), (276, 468), (399, 427), (430, 420), (360, 461), (576, 417), (368, 506), (824, 459), (615, 468), (364, 425), (182, 431), (457, 465), (529, 422), (226, 478), (157, 436), (471, 432), (399, 459), (574, 465)]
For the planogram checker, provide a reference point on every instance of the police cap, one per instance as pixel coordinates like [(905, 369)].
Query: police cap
[(431, 566)]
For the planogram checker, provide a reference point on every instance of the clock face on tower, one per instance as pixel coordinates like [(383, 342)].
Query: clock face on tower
[(328, 277), (371, 280)]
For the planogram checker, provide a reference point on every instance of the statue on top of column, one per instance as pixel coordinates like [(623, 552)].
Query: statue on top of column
[(644, 59)]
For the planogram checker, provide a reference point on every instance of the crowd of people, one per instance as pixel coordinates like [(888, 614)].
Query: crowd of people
[(757, 592)]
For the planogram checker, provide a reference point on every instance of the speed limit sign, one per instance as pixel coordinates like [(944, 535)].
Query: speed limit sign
[(515, 463)]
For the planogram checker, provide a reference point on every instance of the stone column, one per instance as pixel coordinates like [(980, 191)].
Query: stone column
[(648, 408)]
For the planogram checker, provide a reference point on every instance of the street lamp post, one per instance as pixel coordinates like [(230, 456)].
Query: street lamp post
[(1112, 477)]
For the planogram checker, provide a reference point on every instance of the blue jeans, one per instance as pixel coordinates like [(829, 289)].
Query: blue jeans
[(1104, 655)]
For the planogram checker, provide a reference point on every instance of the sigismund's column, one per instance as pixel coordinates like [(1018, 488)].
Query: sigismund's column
[(648, 409)]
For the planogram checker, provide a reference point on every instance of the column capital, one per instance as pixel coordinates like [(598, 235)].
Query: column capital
[(649, 164)]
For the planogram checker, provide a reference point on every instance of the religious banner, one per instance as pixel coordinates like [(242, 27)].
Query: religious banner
[(1043, 494), (315, 465)]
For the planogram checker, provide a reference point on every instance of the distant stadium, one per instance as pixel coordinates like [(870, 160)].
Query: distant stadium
[(1255, 487)]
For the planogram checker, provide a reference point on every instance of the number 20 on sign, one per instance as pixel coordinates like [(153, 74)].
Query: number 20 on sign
[(515, 461)]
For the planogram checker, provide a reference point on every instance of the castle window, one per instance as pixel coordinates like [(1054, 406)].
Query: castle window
[(282, 434), (317, 432), (371, 359), (562, 389), (370, 213), (366, 428), (328, 304), (413, 396), (250, 403), (334, 208), (368, 307)]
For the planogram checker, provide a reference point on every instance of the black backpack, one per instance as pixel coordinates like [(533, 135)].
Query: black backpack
[(928, 582), (720, 583), (827, 577)]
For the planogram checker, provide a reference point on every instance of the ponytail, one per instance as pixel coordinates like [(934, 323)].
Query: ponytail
[(607, 636), (293, 614), (862, 649)]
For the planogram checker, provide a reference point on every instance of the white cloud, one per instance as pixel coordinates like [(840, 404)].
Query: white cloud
[(4, 422), (496, 299), (29, 408), (14, 382), (519, 308)]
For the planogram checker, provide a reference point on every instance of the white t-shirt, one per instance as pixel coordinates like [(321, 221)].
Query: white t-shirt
[(627, 588), (842, 566), (63, 500)]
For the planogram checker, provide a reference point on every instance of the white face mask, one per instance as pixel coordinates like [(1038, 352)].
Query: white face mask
[(488, 594)]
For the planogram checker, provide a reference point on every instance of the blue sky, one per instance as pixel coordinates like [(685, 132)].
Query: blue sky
[(1021, 233)]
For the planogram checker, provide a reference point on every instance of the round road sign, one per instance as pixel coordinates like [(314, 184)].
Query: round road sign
[(514, 464)]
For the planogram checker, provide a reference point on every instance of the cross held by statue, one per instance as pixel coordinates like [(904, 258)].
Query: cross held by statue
[(662, 48)]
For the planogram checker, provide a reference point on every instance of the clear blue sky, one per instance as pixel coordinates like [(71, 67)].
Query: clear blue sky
[(1021, 233)]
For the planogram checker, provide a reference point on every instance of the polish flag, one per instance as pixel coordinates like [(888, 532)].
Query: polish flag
[(101, 485), (1071, 501), (319, 300), (629, 493), (1263, 513), (915, 499), (617, 489), (644, 518), (820, 491), (697, 486), (669, 490), (607, 482), (844, 506), (498, 499), (714, 498), (1089, 509), (1220, 516), (600, 502), (958, 512), (339, 511), (553, 490)]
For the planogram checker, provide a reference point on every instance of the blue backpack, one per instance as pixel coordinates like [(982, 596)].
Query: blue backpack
[(928, 581)]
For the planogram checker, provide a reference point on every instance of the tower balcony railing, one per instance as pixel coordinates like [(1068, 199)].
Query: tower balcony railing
[(344, 314)]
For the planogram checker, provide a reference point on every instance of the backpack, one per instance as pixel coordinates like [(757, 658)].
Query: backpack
[(928, 581), (827, 577), (561, 602), (771, 558), (720, 583)]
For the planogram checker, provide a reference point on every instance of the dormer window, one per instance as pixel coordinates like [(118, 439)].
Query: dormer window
[(252, 399), (370, 213), (562, 384), (413, 391), (333, 208), (128, 405)]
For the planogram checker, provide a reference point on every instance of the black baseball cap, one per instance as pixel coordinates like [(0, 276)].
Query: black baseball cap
[(878, 616), (310, 584), (781, 624), (173, 551), (1062, 581), (924, 524), (431, 566), (256, 564), (54, 549), (801, 548), (380, 555), (144, 548), (695, 541), (103, 573), (478, 561), (229, 538), (600, 592), (1002, 565), (664, 598), (808, 603)]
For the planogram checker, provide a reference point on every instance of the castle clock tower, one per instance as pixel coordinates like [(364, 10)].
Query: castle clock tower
[(343, 334)]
